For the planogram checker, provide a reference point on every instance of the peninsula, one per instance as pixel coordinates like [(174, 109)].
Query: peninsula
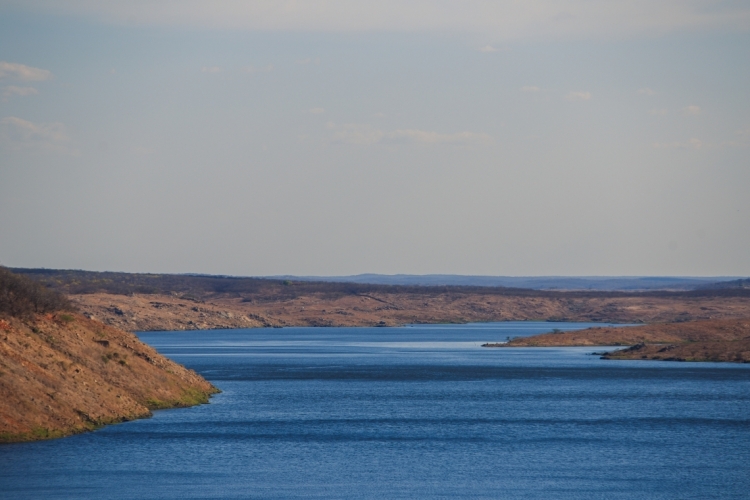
[(62, 373), (708, 340)]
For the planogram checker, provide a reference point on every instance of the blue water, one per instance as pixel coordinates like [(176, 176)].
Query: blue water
[(413, 412)]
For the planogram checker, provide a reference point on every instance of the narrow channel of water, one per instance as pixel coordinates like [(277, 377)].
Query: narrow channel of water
[(412, 412)]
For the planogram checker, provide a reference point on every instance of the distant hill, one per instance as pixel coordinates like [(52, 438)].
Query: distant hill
[(723, 285), (199, 285), (142, 302), (601, 283)]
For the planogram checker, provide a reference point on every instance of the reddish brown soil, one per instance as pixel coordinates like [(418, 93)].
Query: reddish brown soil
[(63, 373), (712, 340), (168, 312)]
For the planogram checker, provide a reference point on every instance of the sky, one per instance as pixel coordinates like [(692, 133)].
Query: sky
[(330, 137)]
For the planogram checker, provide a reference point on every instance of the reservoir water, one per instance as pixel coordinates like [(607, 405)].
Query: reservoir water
[(412, 412)]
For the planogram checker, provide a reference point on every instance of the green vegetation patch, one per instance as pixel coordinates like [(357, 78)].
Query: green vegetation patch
[(189, 397), (37, 434)]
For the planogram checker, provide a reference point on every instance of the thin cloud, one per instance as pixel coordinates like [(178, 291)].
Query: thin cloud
[(210, 69), (22, 72), (743, 138), (692, 110), (658, 112), (530, 88), (506, 20), (412, 136), (646, 91), (488, 49), (17, 133), (12, 90), (352, 133), (364, 134), (254, 70), (578, 96), (316, 111), (742, 141)]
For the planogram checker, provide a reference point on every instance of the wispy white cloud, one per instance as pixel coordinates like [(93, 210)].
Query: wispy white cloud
[(530, 88), (353, 133), (658, 112), (12, 90), (692, 110), (365, 134), (646, 91), (427, 137), (316, 111), (488, 49), (17, 133), (253, 69), (210, 69), (22, 72), (742, 140), (578, 96), (502, 20)]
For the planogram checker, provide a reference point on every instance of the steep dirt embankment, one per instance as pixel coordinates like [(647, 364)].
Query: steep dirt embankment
[(62, 373), (150, 312), (713, 340)]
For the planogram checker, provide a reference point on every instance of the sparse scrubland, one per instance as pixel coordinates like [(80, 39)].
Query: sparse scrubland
[(148, 302)]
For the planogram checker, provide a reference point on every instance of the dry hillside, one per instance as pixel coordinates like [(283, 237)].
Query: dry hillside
[(150, 312), (62, 373)]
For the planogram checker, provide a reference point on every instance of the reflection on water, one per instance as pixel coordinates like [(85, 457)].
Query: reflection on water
[(413, 412)]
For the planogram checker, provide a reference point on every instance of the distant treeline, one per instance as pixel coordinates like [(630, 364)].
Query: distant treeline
[(21, 296), (200, 287), (740, 283)]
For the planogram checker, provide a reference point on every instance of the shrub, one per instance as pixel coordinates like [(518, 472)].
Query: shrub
[(22, 297)]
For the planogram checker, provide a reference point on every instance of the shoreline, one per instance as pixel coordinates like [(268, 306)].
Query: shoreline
[(713, 341)]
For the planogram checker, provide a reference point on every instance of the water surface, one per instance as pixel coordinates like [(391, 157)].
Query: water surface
[(413, 412)]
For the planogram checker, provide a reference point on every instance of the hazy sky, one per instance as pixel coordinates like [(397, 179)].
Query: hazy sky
[(329, 137)]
